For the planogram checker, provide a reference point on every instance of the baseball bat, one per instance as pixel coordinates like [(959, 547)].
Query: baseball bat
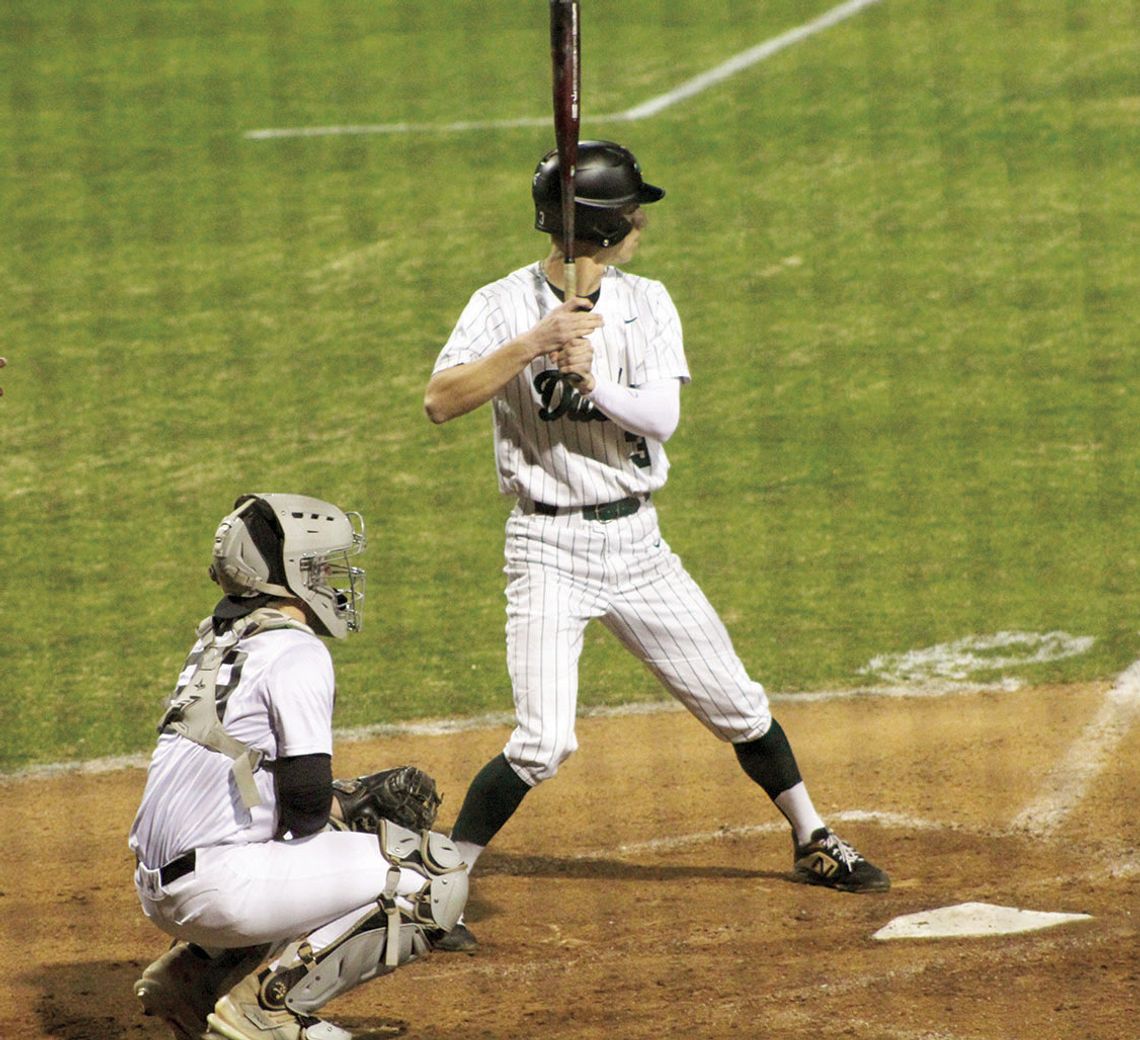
[(565, 55)]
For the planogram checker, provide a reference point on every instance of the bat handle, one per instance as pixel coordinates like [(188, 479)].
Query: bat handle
[(570, 283)]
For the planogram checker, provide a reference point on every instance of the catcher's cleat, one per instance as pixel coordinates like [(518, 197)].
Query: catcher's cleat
[(183, 984), (245, 1014), (828, 860), (458, 940)]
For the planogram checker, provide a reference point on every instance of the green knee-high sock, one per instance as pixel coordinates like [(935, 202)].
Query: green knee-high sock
[(769, 761), (491, 800)]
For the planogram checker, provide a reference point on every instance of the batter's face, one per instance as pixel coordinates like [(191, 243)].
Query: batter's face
[(624, 251)]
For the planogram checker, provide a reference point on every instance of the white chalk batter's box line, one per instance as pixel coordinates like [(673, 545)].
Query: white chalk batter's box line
[(1120, 868), (682, 841), (690, 88)]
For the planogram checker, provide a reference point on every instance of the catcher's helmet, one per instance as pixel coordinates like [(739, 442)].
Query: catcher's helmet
[(292, 547), (607, 187)]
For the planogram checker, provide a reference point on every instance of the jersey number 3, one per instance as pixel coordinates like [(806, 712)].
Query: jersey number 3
[(640, 454)]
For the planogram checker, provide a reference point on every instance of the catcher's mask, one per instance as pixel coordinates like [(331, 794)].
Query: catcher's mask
[(291, 547), (608, 187)]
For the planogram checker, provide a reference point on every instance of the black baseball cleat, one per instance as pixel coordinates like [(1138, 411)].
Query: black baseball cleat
[(828, 860), (458, 940)]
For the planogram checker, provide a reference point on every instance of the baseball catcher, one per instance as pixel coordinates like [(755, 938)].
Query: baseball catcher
[(281, 886)]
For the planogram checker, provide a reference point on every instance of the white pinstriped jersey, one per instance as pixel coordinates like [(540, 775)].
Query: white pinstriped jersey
[(551, 444), (276, 689)]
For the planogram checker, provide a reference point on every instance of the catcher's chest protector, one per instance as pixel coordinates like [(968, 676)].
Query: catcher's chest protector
[(193, 712)]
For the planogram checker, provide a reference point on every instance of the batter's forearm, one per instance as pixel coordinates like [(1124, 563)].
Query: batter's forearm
[(455, 391), (652, 410)]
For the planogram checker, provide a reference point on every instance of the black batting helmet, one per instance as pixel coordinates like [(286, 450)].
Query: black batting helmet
[(607, 186)]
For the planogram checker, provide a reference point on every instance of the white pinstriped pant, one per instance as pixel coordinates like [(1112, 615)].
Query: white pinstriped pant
[(562, 571)]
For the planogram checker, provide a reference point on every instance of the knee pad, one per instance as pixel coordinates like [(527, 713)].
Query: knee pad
[(439, 903), (426, 852)]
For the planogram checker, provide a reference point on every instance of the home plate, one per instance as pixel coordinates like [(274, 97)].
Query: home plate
[(967, 919)]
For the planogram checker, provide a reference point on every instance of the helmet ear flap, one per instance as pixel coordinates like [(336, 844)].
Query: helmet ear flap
[(609, 228), (247, 552)]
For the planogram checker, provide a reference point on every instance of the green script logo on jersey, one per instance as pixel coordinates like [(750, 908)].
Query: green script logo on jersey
[(560, 399)]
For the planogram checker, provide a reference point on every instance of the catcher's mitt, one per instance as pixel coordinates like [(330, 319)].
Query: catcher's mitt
[(405, 795)]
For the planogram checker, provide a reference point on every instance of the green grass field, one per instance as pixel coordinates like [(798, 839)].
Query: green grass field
[(905, 251)]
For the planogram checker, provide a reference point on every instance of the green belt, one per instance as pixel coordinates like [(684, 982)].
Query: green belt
[(605, 511)]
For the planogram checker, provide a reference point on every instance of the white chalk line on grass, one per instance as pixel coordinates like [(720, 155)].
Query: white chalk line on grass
[(744, 60), (690, 88), (1066, 784), (952, 664)]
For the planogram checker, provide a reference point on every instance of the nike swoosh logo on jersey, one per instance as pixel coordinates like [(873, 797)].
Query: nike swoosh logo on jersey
[(630, 321)]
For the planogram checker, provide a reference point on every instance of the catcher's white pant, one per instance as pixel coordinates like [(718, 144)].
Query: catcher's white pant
[(273, 891), (565, 570)]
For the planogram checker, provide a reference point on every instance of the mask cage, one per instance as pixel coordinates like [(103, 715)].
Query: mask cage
[(331, 576)]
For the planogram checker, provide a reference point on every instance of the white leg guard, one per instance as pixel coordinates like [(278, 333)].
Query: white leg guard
[(397, 932), (363, 954), (439, 904)]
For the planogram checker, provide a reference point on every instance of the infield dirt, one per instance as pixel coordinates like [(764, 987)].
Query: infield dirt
[(646, 893)]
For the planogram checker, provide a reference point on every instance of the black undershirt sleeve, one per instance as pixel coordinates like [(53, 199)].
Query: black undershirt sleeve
[(304, 794)]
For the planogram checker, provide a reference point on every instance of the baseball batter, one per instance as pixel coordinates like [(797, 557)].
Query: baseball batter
[(585, 393), (274, 911)]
